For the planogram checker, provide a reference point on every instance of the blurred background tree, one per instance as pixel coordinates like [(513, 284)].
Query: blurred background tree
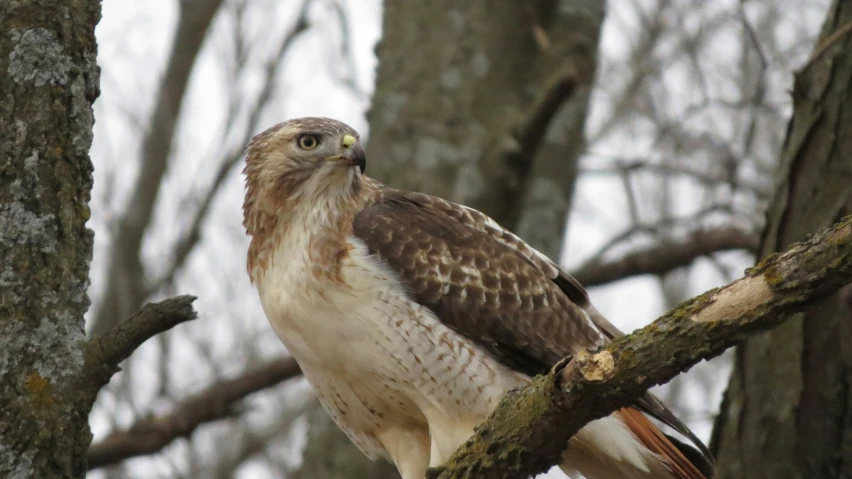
[(657, 125)]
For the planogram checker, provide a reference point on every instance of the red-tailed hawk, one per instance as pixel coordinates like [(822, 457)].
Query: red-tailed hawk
[(412, 316)]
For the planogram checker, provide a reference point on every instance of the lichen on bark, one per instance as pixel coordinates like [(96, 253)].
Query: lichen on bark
[(48, 81)]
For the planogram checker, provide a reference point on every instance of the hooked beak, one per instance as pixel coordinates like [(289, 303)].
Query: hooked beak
[(355, 154)]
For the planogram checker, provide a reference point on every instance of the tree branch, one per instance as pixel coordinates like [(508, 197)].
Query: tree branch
[(214, 403), (707, 175), (117, 344), (666, 256), (514, 158), (531, 426), (531, 133)]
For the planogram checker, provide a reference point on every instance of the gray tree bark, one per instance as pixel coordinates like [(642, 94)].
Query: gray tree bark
[(787, 412), (482, 103), (48, 81)]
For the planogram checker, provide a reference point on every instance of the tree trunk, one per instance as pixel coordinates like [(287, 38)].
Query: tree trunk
[(465, 93), (48, 82), (788, 409)]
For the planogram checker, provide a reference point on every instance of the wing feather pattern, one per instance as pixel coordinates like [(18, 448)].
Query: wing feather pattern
[(486, 290), (490, 286)]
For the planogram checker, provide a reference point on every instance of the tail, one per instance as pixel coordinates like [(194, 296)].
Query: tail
[(628, 445)]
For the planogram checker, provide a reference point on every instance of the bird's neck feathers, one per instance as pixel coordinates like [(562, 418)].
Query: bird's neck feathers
[(322, 212)]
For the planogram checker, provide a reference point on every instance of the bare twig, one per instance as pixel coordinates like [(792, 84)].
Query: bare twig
[(666, 256), (828, 42), (659, 229), (532, 131), (214, 403), (620, 166), (118, 344), (531, 427)]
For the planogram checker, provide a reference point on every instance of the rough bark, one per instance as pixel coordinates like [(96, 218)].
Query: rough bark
[(48, 81), (787, 412), (482, 103), (49, 373), (531, 426)]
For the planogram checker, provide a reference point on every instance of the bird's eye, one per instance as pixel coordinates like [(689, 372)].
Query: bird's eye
[(308, 142)]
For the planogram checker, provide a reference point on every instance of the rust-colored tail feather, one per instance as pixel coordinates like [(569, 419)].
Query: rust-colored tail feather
[(656, 441)]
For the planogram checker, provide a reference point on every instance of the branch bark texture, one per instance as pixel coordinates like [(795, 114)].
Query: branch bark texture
[(531, 427), (118, 344)]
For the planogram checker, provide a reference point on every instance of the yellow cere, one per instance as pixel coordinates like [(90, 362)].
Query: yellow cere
[(348, 140)]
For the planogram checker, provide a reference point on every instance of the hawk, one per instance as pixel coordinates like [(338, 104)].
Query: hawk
[(412, 316)]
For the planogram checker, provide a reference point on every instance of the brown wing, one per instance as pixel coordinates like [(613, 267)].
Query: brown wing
[(490, 286), (488, 290)]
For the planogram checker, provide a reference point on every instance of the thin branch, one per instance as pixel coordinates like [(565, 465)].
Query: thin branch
[(659, 229), (118, 344), (828, 42), (531, 426), (666, 256), (515, 157), (531, 133), (214, 403), (620, 166)]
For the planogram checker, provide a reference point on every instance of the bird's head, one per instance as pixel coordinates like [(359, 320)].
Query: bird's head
[(302, 160)]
